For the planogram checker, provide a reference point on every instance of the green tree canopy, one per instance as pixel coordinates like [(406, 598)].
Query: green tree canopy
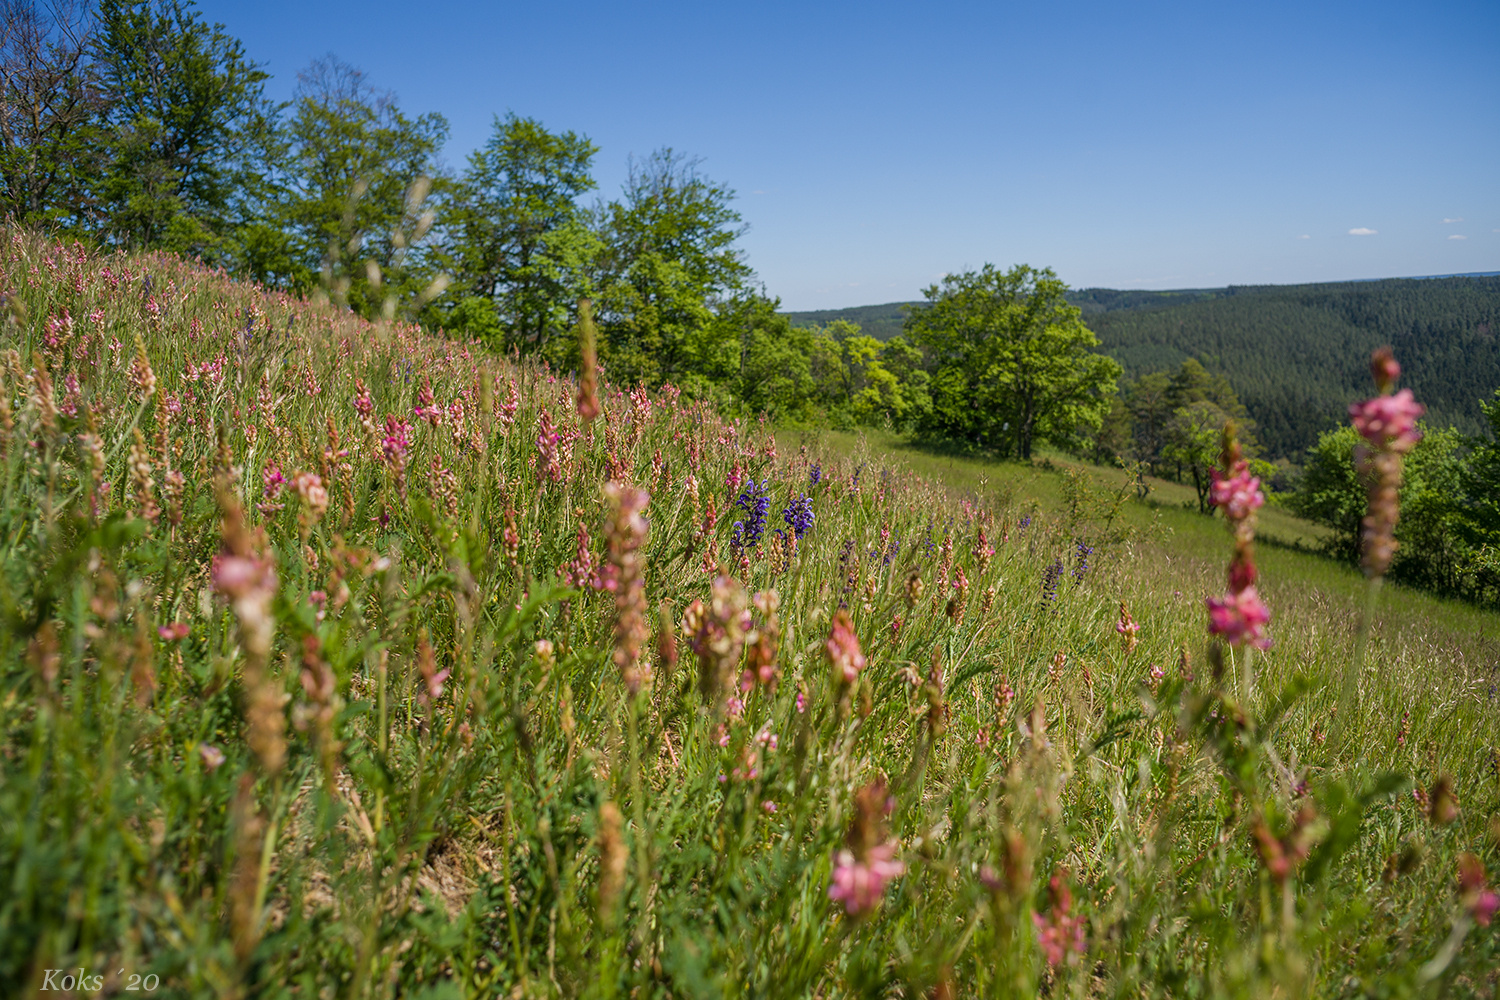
[(51, 108), (184, 111), (1334, 493), (1011, 361), (355, 173), (669, 259), (516, 235)]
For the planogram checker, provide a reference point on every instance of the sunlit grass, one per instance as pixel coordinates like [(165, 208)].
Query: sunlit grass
[(323, 686)]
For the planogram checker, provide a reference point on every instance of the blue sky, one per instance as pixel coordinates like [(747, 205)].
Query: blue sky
[(874, 147)]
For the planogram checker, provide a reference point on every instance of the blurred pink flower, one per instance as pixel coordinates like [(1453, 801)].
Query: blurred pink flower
[(843, 649), (243, 576), (1060, 933), (860, 884), (1240, 617), (1128, 628), (212, 755), (311, 492), (364, 405), (397, 440), (173, 632), (1389, 422), (1479, 898), (1238, 495), (1384, 369)]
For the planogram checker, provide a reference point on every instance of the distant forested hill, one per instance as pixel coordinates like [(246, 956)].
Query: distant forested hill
[(880, 322), (1296, 354)]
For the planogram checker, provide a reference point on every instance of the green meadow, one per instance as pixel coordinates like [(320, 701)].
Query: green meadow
[(339, 659)]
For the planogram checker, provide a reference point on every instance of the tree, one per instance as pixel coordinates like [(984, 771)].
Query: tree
[(1011, 360), (51, 108), (1432, 550), (771, 365), (860, 380), (355, 173), (669, 260), (185, 112), (904, 362), (1150, 411), (517, 235), (1194, 439), (1476, 506), (1112, 442)]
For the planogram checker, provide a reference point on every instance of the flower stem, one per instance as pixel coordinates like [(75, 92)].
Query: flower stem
[(1349, 696)]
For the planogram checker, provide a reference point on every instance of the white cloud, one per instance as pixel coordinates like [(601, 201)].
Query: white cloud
[(1304, 236), (1361, 231), (1455, 236), (1452, 220)]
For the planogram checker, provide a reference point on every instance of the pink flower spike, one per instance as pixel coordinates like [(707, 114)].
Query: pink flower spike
[(1480, 899), (1240, 618), (859, 885), (843, 649), (1384, 369), (1238, 495), (1060, 932), (1389, 422), (1484, 907)]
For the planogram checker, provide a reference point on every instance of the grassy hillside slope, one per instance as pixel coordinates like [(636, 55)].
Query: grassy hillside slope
[(339, 660)]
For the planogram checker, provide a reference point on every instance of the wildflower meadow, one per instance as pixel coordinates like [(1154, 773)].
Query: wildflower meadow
[(342, 659)]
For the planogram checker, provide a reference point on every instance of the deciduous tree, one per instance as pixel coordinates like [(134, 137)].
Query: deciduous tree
[(51, 108), (669, 260), (355, 175), (185, 115), (516, 235), (1011, 361)]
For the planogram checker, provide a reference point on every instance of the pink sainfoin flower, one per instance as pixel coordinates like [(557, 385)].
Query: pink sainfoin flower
[(1478, 898), (433, 679), (427, 408), (396, 443), (511, 404), (860, 884), (583, 571), (272, 480), (1236, 494), (983, 550), (867, 861), (549, 449), (1389, 423), (1240, 618), (843, 649), (364, 403), (1060, 932), (59, 330), (314, 496), (1127, 627)]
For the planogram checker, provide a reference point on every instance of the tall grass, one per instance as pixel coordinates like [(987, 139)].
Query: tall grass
[(331, 667)]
